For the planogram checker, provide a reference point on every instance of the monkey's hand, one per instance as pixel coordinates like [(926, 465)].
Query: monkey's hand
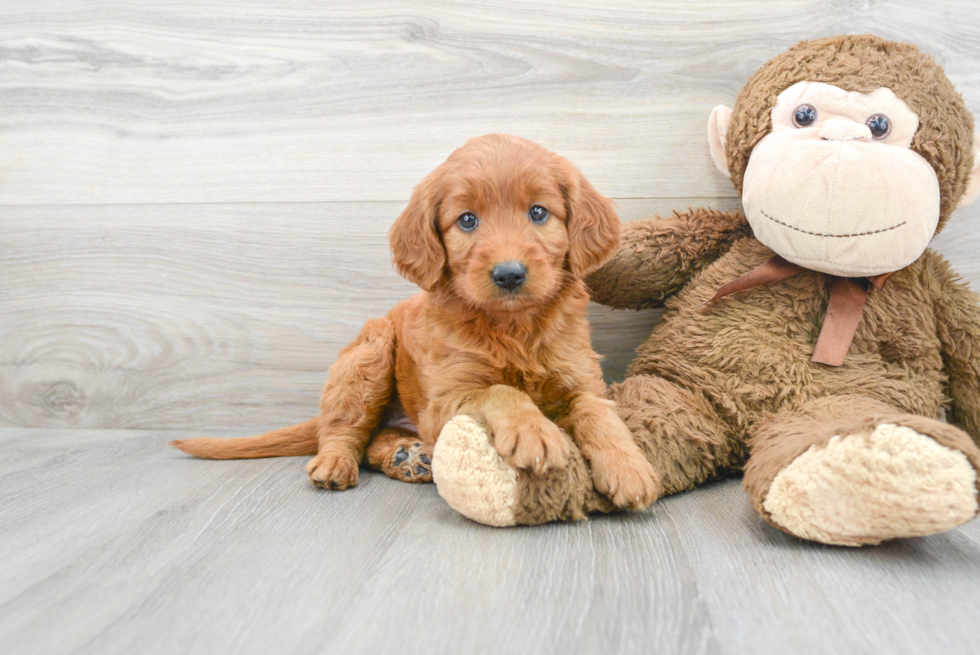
[(958, 327), (658, 256)]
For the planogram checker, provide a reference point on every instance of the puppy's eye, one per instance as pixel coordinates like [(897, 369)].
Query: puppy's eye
[(804, 116), (538, 214), (467, 222), (879, 125)]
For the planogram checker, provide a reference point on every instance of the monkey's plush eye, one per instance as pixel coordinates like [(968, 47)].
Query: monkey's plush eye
[(538, 214), (879, 125), (467, 222), (804, 116)]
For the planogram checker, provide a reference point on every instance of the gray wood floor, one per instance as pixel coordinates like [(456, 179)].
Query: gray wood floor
[(112, 543)]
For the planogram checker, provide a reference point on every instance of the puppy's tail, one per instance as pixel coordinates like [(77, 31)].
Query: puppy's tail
[(299, 439)]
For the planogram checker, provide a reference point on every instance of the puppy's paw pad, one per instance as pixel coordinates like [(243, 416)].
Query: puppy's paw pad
[(412, 464)]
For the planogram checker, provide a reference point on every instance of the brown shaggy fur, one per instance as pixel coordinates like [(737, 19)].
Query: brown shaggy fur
[(520, 362), (728, 387)]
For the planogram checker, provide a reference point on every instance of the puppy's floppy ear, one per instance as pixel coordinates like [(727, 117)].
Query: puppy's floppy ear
[(416, 247), (593, 226)]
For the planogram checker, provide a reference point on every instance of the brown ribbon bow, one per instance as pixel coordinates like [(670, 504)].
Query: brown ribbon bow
[(847, 297)]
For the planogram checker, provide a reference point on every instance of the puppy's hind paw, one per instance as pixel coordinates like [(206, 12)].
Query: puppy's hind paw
[(411, 464)]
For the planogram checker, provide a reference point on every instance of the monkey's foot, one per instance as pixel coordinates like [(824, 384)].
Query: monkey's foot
[(481, 485), (865, 488), (472, 476)]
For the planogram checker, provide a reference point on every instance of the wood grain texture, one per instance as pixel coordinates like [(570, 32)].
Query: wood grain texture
[(258, 101), (113, 543), (214, 316), (200, 316)]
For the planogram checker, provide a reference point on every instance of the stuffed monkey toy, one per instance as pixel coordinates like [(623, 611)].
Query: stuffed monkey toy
[(812, 341)]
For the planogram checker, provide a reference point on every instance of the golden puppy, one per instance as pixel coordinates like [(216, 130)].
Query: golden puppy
[(499, 237)]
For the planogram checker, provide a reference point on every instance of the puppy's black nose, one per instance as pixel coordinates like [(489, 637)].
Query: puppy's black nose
[(509, 275)]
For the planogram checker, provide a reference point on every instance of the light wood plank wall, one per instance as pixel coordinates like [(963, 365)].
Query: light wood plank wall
[(194, 196)]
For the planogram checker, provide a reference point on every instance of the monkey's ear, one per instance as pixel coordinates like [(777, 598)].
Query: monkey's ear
[(721, 118), (973, 186), (416, 247), (593, 227)]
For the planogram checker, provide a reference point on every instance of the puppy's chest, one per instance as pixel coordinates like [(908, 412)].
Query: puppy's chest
[(548, 389), (529, 381), (537, 370)]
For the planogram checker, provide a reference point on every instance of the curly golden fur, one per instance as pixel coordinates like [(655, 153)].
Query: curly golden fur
[(518, 360)]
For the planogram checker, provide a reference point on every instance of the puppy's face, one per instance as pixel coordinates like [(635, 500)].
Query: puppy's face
[(503, 225), (501, 222)]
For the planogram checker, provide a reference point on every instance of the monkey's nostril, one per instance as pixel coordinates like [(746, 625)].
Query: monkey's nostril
[(509, 275), (844, 130)]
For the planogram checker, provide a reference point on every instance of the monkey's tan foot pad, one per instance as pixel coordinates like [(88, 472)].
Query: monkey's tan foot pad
[(862, 489), (410, 464), (471, 476)]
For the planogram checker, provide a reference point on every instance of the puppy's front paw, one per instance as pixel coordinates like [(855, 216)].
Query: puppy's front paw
[(626, 477), (528, 440), (333, 470)]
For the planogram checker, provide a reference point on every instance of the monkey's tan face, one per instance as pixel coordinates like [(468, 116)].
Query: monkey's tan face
[(835, 186)]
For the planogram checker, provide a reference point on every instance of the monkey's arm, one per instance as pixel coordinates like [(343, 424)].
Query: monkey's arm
[(659, 255), (958, 325)]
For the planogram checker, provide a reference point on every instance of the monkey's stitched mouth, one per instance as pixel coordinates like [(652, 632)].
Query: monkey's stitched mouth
[(835, 236)]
